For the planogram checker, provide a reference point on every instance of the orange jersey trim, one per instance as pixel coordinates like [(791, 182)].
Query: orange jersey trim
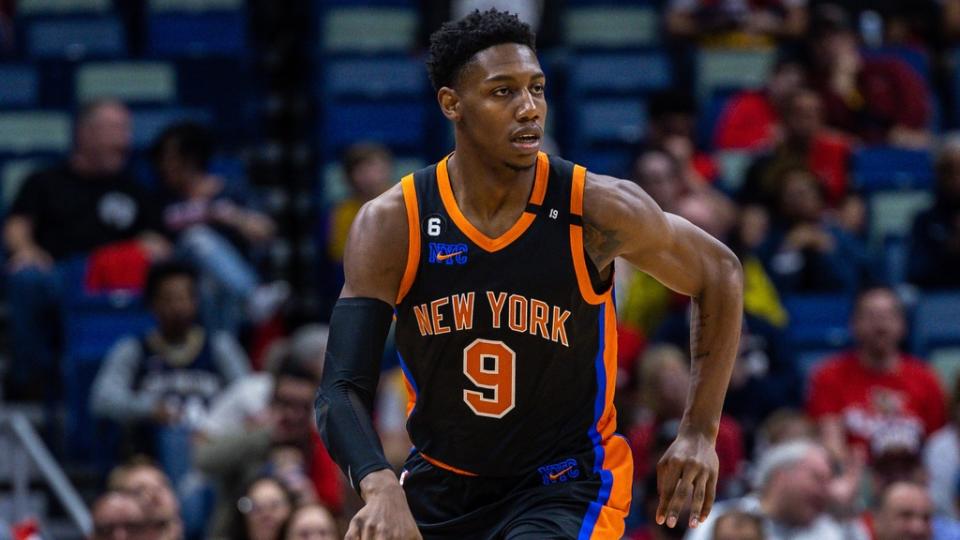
[(526, 219), (618, 460), (413, 236), (444, 466), (576, 241)]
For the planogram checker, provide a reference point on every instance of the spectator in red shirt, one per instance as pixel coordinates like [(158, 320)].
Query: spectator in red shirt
[(879, 100), (664, 379), (751, 119), (805, 143), (874, 392)]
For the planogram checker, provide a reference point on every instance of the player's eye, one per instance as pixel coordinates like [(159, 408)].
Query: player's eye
[(503, 91), (537, 89)]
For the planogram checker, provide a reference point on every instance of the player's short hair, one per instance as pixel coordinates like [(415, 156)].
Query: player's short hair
[(456, 42), (194, 143), (161, 272)]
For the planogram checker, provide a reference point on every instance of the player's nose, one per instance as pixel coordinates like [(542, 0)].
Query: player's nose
[(527, 109)]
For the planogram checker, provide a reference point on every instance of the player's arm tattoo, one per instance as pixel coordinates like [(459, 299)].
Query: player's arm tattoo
[(698, 351), (602, 245)]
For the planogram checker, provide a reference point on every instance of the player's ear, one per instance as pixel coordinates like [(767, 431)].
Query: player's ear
[(449, 103)]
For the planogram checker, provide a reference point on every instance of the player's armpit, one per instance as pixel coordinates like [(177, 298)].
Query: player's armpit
[(375, 256)]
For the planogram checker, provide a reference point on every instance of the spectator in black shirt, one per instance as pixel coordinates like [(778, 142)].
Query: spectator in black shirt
[(87, 202)]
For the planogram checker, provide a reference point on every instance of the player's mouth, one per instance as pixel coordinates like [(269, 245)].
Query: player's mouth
[(527, 139)]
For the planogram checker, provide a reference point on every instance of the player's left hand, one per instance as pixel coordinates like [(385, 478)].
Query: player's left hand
[(689, 467)]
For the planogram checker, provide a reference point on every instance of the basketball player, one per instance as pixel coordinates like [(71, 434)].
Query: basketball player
[(498, 265)]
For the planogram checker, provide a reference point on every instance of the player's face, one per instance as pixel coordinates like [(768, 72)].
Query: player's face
[(502, 106)]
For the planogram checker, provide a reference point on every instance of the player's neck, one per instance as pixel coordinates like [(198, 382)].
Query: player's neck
[(486, 188)]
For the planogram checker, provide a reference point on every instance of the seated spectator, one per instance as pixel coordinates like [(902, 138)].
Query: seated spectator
[(663, 382), (941, 457), (874, 392), (311, 522), (934, 261), (160, 385), (804, 143), (731, 23), (119, 516), (170, 375), (803, 252), (738, 526), (284, 441), (793, 493), (214, 224), (262, 511), (368, 169), (246, 401), (904, 512), (877, 100), (145, 481), (85, 203), (751, 118)]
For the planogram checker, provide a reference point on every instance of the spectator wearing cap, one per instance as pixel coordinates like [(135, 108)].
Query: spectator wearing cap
[(875, 396), (934, 261), (794, 490), (877, 100)]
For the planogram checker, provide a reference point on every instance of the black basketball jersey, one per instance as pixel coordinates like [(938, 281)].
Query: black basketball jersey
[(508, 344)]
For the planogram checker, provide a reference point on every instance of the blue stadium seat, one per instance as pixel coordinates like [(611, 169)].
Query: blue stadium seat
[(808, 361), (148, 123), (32, 8), (880, 167), (76, 37), (131, 82), (400, 125), (895, 254), (374, 78), (378, 28), (936, 322), (611, 120), (205, 33), (19, 86), (26, 132), (818, 321), (615, 25), (619, 73), (612, 161)]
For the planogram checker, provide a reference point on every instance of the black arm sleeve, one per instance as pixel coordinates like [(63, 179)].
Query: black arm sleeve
[(358, 329)]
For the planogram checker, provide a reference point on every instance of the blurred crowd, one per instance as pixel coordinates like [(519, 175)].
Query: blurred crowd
[(209, 404)]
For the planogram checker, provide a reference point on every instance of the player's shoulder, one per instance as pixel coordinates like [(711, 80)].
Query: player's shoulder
[(612, 202)]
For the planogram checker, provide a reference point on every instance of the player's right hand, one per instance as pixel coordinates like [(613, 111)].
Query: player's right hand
[(386, 515)]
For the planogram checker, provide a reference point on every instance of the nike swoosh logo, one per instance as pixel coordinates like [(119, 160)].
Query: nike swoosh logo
[(553, 477), (442, 257)]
